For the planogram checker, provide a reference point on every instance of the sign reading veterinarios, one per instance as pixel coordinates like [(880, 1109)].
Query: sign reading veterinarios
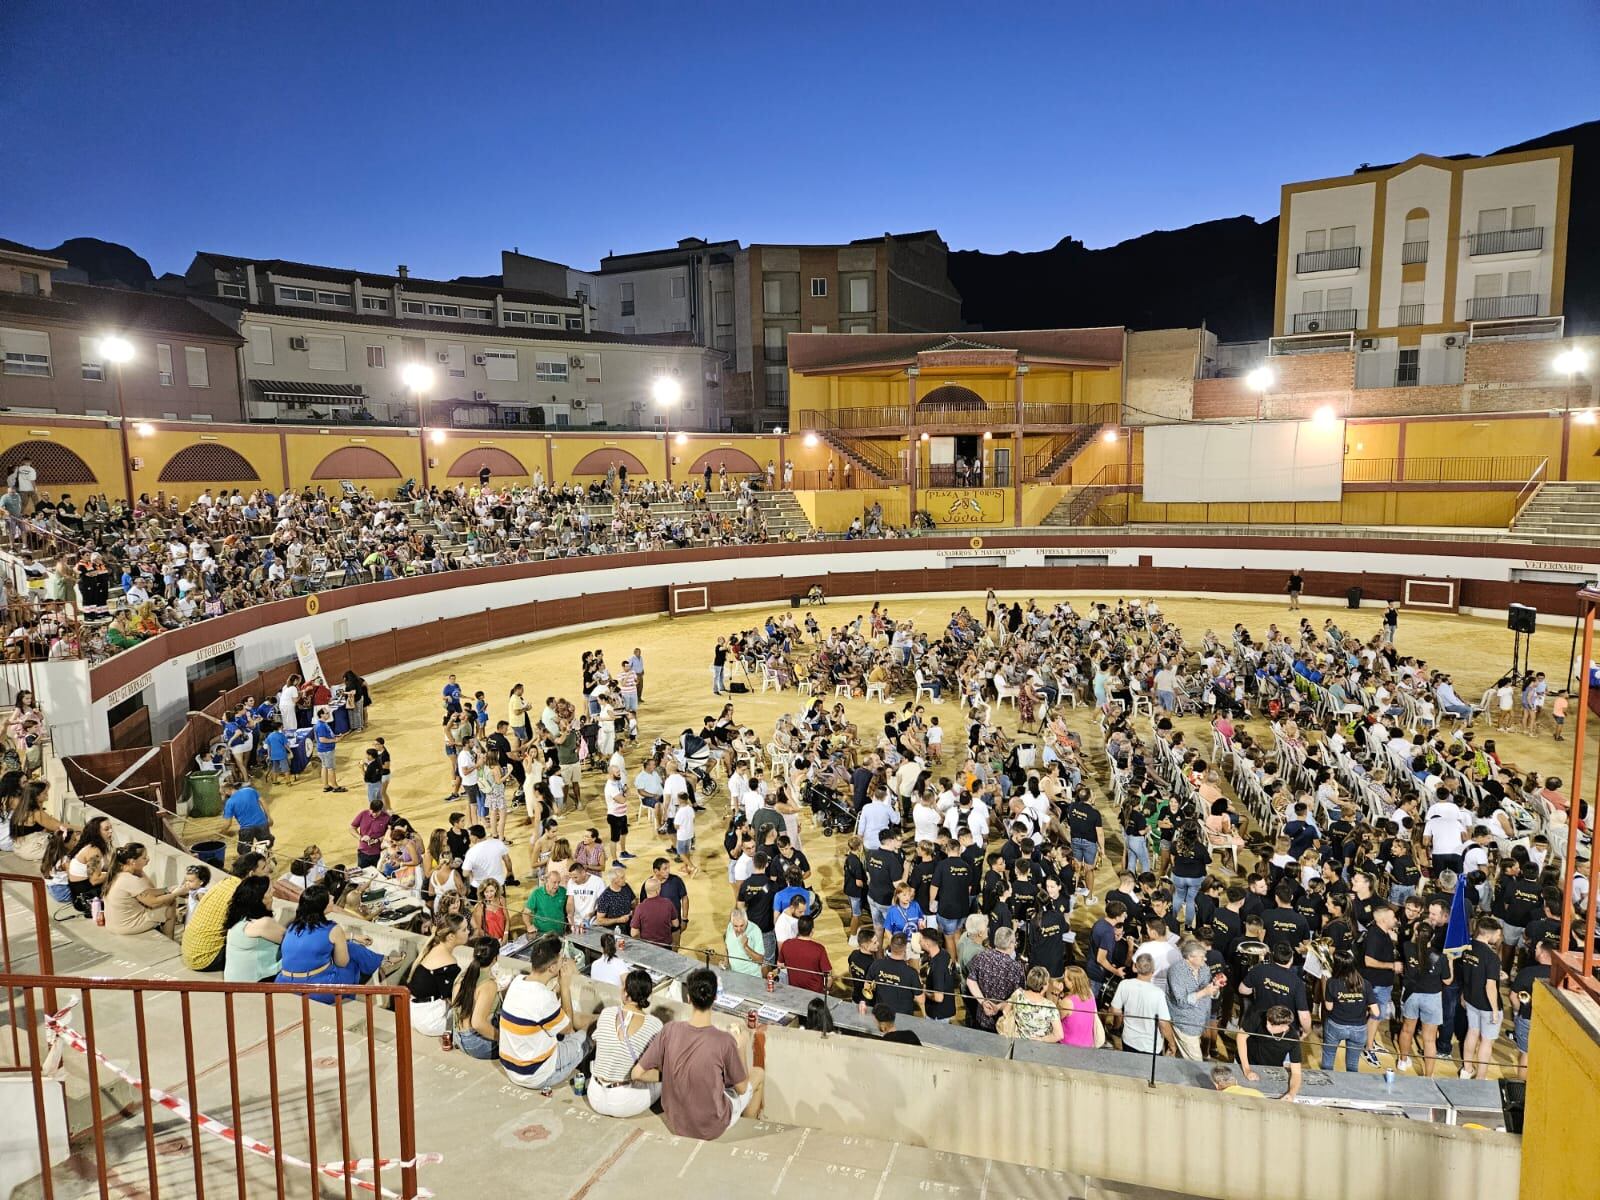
[(306, 651), (965, 506)]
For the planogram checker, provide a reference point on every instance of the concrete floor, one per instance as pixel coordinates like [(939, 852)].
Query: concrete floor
[(407, 711)]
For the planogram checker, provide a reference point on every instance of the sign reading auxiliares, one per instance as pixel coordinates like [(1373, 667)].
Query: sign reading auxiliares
[(966, 506)]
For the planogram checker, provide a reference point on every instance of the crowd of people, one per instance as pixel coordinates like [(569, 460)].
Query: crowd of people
[(97, 579), (1096, 872)]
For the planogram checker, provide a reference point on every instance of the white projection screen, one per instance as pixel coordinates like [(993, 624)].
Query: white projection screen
[(1259, 461)]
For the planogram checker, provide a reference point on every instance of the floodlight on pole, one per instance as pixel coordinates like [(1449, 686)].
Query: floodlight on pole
[(667, 391), (116, 351), (418, 378), (1571, 363), (1258, 381)]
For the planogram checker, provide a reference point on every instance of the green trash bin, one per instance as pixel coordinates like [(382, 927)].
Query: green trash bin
[(205, 794)]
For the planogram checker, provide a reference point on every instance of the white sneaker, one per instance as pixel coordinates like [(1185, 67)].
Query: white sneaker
[(1403, 1065), (1466, 1072)]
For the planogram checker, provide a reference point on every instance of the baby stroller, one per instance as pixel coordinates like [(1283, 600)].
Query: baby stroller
[(693, 757)]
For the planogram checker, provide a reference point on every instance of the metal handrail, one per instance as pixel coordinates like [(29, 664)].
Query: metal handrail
[(875, 461), (1330, 320), (1340, 258), (1489, 308), (1414, 252), (1502, 241), (41, 934), (1525, 497), (1483, 469)]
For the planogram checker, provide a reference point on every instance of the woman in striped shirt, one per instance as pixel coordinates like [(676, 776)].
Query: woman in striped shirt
[(621, 1035)]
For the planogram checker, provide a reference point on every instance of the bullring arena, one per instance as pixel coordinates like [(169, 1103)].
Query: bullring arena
[(1285, 690)]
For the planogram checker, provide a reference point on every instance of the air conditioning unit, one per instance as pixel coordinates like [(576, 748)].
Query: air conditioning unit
[(298, 343), (443, 356), (480, 395), (575, 361), (479, 360), (1313, 326), (579, 403), (1369, 343), (1452, 341)]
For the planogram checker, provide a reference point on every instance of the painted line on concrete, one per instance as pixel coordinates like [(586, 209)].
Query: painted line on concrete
[(611, 1161), (798, 1146), (883, 1180), (689, 1162), (983, 1189)]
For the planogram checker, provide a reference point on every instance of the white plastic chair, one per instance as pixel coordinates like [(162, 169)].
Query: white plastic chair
[(770, 679), (1003, 691), (923, 689), (881, 690)]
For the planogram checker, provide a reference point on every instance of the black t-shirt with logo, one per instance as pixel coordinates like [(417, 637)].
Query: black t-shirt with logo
[(859, 963), (895, 983), (1378, 945), (1025, 896), (1478, 965), (954, 879), (1523, 985), (1271, 984), (1284, 925), (884, 869), (1350, 1001), (1047, 945), (1517, 901), (1426, 965), (941, 977), (1226, 929), (1083, 821), (1311, 907), (756, 894), (855, 876)]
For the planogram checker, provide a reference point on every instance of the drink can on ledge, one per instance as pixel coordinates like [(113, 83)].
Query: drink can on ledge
[(772, 983), (751, 1019)]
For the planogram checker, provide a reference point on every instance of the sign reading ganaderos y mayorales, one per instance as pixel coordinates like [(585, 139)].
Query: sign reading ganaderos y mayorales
[(965, 506)]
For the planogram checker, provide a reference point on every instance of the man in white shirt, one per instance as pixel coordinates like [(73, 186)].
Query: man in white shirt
[(583, 889), (673, 791), (787, 923), (978, 819), (1444, 829), (877, 815), (486, 858), (648, 784), (738, 784), (617, 817), (1141, 1010), (1162, 948)]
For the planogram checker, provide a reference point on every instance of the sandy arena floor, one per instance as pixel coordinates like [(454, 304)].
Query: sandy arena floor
[(407, 710)]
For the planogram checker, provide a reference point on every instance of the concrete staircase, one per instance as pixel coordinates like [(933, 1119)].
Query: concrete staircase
[(1562, 514), (1066, 450)]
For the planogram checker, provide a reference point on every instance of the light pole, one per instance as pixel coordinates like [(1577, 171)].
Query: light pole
[(418, 378), (116, 351), (1571, 363), (1258, 381), (667, 391)]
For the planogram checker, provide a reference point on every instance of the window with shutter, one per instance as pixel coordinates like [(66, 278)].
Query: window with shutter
[(1411, 293), (1341, 236), (1416, 229), (1519, 283), (1316, 239), (164, 364), (196, 367), (260, 339), (1338, 299), (860, 295), (1491, 220), (772, 295), (27, 352), (326, 352), (1311, 300), (500, 364), (1522, 217), (1486, 287), (377, 357), (92, 358)]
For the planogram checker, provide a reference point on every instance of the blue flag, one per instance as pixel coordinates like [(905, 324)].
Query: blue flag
[(1458, 933)]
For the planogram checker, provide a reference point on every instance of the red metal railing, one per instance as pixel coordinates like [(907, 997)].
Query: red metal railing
[(1570, 968), (119, 1052)]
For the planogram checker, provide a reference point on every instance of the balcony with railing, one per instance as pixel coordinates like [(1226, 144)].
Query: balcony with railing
[(1414, 252), (1494, 308), (1409, 314), (895, 417), (1506, 241), (1332, 320), (1341, 258)]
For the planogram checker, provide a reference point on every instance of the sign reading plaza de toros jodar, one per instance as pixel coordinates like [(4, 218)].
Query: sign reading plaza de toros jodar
[(966, 506)]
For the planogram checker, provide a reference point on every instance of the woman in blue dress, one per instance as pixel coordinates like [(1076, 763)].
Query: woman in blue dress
[(315, 950)]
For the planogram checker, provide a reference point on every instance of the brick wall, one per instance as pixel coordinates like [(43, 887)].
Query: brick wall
[(1525, 362), (1216, 399)]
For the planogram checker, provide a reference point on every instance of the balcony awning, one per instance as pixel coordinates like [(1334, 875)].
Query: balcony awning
[(335, 393)]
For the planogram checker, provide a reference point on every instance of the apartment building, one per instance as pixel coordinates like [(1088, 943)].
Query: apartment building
[(184, 365), (326, 344), (1405, 262)]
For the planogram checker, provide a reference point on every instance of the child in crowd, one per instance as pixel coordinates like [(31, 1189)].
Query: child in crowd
[(197, 879), (1558, 714)]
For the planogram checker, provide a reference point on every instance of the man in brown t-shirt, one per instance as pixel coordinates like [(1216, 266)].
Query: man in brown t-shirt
[(656, 918), (705, 1086)]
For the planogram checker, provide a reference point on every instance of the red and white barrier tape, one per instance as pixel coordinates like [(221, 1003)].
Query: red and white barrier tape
[(59, 1029)]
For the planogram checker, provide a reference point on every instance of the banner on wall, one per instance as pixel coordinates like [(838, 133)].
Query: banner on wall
[(306, 651), (965, 506)]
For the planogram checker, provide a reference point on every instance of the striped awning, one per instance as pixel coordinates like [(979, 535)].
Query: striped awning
[(337, 393)]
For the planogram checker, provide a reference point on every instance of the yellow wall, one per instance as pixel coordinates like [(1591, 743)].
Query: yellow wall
[(99, 447), (1471, 439), (1038, 499), (1583, 452), (1558, 1161), (833, 511), (1380, 439), (157, 448), (1478, 509), (307, 450)]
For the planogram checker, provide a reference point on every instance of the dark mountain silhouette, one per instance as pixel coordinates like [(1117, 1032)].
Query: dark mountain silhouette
[(106, 263), (1219, 273)]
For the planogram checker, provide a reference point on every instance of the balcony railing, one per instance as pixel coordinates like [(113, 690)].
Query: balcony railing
[(1330, 321), (1503, 241), (897, 416), (1490, 308), (1414, 252), (1484, 469), (1342, 258), (1410, 314)]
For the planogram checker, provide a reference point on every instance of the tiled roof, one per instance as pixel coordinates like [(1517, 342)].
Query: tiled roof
[(825, 351), (459, 329), (106, 308), (293, 270)]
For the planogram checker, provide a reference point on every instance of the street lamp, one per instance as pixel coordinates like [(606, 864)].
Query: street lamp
[(418, 379), (666, 391), (1258, 381), (116, 351), (1571, 363)]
